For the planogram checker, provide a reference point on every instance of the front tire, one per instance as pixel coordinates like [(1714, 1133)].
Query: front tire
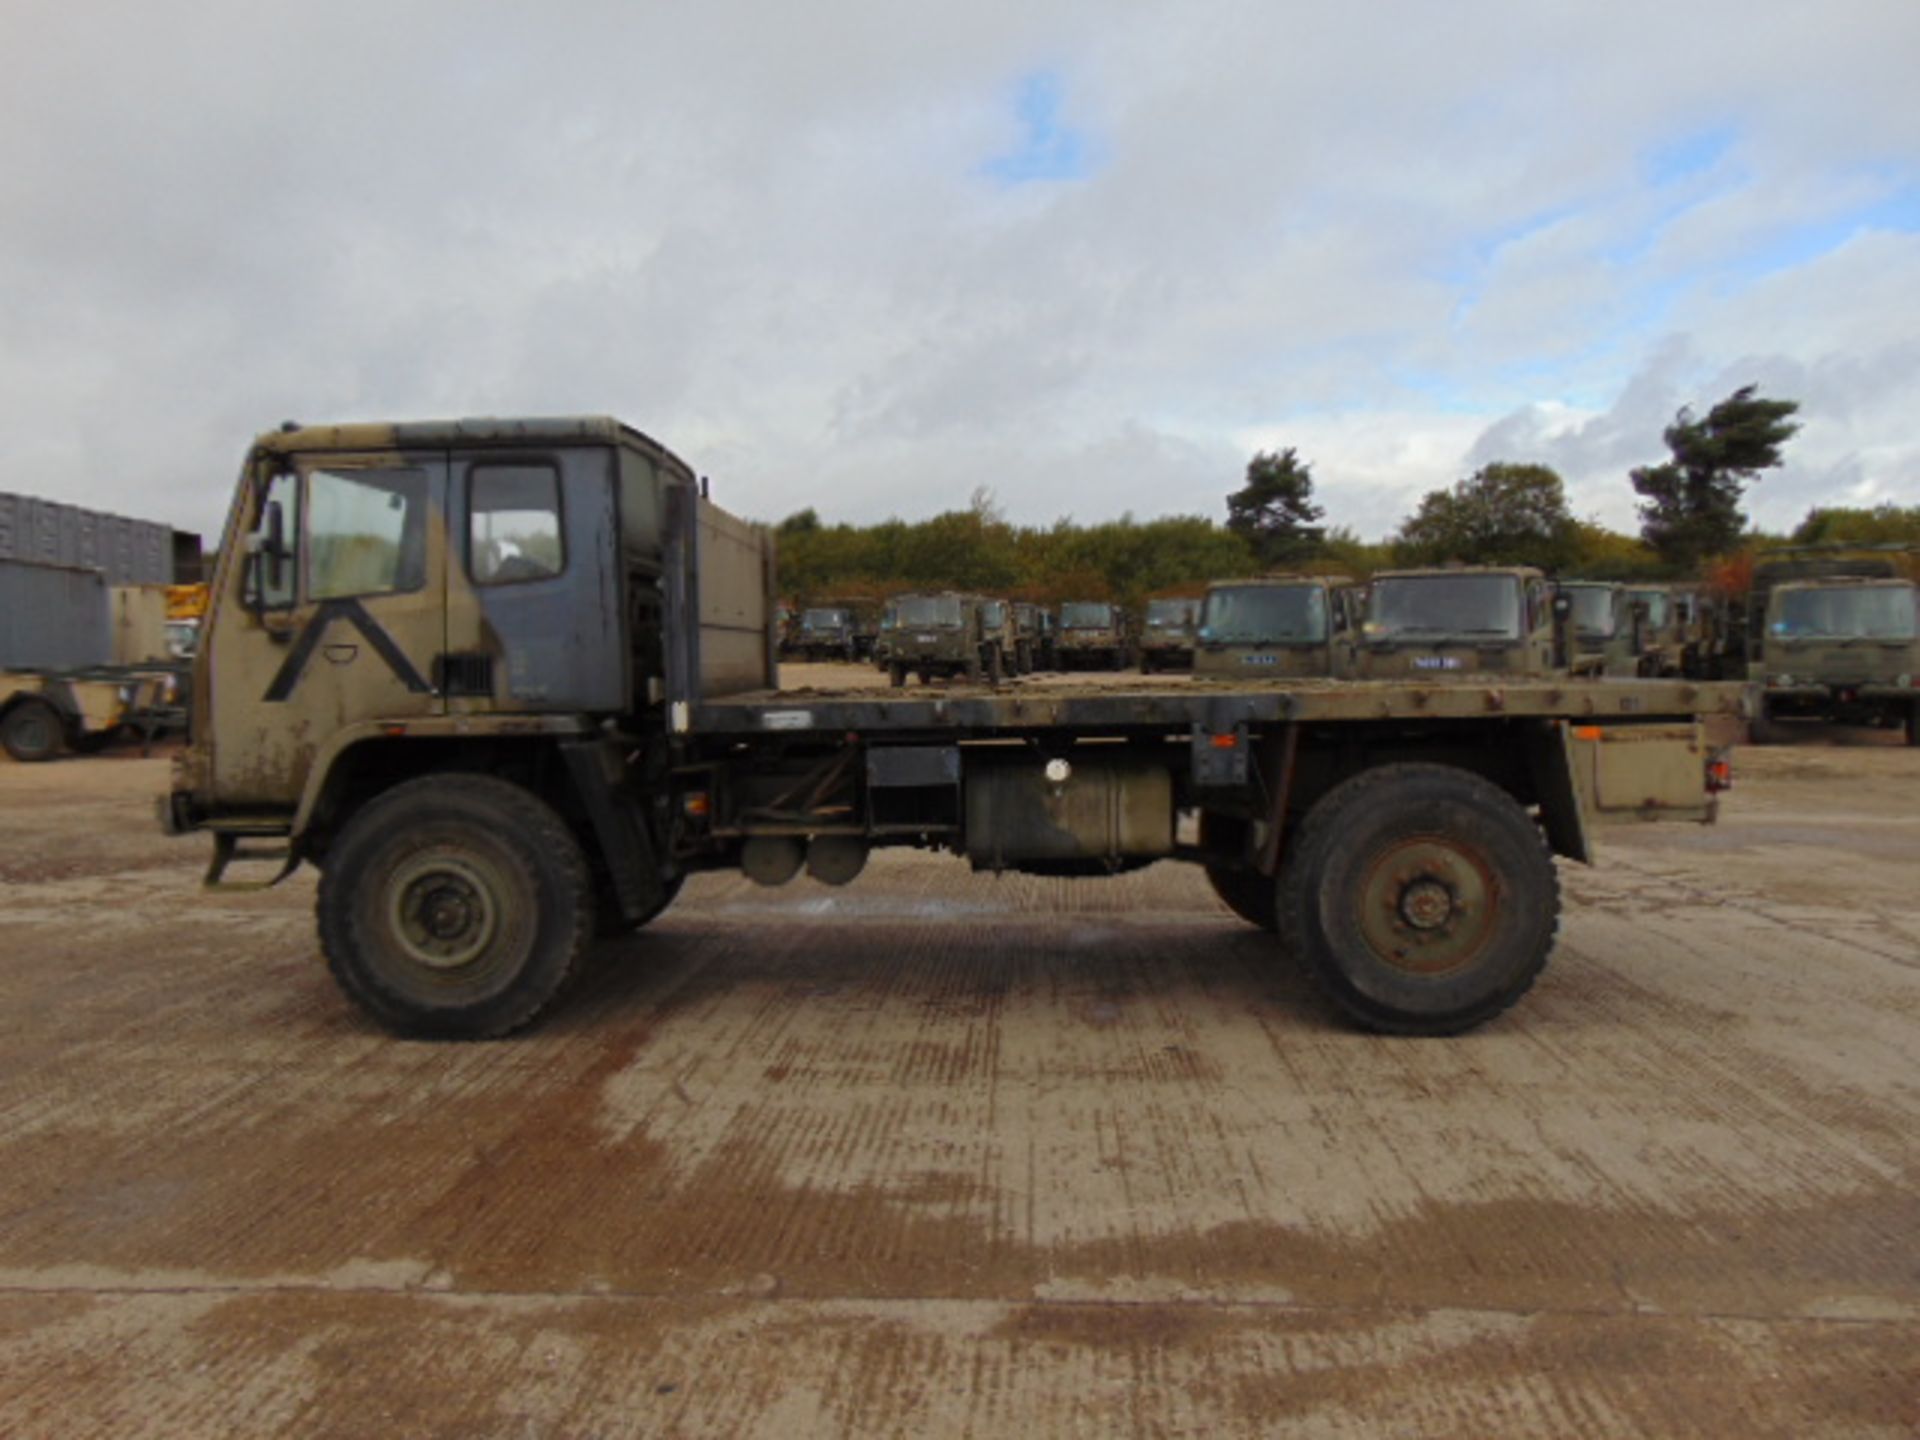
[(454, 906), (33, 731), (1422, 898)]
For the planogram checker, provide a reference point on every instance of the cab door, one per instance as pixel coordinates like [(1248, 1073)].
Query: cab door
[(339, 615)]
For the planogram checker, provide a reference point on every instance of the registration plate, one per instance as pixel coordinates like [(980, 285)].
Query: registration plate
[(1438, 662)]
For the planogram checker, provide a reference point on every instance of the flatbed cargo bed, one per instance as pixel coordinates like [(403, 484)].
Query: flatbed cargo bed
[(1019, 706)]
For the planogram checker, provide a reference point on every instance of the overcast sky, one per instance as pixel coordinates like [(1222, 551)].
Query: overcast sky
[(869, 256)]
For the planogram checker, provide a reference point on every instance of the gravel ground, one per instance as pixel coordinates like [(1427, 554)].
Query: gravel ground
[(940, 1154)]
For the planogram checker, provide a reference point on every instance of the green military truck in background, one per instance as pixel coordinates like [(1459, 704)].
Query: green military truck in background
[(506, 683), (949, 635), (824, 632), (1167, 635), (1034, 626), (1093, 636), (1466, 620), (1278, 625), (1605, 627), (1844, 650)]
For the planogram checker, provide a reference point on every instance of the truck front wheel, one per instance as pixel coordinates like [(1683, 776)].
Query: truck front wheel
[(32, 731), (454, 906), (1422, 897)]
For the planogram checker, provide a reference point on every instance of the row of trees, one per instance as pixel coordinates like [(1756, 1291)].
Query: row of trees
[(1504, 513)]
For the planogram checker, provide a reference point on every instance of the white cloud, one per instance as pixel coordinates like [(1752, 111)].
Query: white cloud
[(1403, 240)]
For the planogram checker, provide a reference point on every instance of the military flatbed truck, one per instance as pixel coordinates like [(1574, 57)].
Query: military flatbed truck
[(507, 683)]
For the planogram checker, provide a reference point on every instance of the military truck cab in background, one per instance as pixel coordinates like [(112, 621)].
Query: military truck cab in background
[(1279, 625), (824, 632), (1681, 631), (948, 635), (1605, 628), (1033, 625), (1093, 636), (1846, 650), (1464, 620), (1167, 636)]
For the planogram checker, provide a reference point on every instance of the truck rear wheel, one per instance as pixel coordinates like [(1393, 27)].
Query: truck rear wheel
[(896, 675), (32, 731), (1423, 898), (454, 906), (1248, 894)]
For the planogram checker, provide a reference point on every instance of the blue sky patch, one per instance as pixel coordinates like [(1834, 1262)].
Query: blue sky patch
[(1688, 156), (1049, 149)]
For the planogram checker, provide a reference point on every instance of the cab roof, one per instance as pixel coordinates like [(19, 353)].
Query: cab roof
[(291, 438)]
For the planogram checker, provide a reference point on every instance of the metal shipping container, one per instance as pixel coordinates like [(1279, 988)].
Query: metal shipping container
[(53, 617), (46, 532)]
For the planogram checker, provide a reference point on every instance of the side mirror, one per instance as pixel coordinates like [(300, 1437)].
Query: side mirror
[(275, 549)]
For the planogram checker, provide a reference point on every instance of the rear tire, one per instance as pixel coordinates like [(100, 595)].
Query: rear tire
[(896, 675), (1248, 894), (33, 731), (454, 906), (1422, 898), (996, 667)]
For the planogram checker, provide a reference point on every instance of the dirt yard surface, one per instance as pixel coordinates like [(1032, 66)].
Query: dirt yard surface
[(944, 1155)]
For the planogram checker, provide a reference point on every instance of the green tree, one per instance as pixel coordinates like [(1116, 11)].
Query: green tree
[(1854, 525), (1274, 511), (1690, 506), (1502, 514)]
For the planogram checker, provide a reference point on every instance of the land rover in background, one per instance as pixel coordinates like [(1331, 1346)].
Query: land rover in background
[(1841, 649), (1460, 620), (1093, 636), (1605, 629), (1167, 636), (947, 635), (1280, 625)]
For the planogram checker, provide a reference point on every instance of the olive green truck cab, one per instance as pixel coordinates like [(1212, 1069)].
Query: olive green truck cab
[(948, 636), (1842, 649), (1167, 637), (1278, 626), (1606, 628), (506, 683), (1093, 636), (1460, 620)]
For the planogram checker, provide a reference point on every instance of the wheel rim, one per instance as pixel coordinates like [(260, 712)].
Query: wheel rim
[(1428, 905), (442, 909)]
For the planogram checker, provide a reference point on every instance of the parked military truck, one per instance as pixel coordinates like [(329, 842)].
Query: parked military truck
[(505, 683), (949, 635), (1167, 634), (824, 632), (1605, 626), (1033, 625), (1472, 619), (1278, 625), (1093, 636), (1845, 650)]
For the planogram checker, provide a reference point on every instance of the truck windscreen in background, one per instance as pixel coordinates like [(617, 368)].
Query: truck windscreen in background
[(1885, 613), (1265, 615), (1445, 605)]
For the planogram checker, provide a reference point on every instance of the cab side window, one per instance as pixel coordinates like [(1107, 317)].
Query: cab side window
[(366, 532), (513, 524)]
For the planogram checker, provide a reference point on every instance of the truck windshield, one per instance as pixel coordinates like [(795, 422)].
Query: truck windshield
[(1592, 608), (1411, 606), (1656, 603), (929, 610), (1086, 615), (1265, 614), (1164, 613), (1881, 613), (824, 619)]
